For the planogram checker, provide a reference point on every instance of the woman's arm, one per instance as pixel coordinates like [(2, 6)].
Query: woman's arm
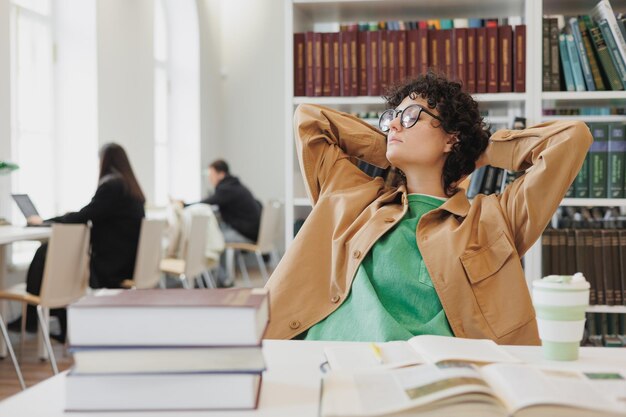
[(554, 152), (101, 205), (325, 139)]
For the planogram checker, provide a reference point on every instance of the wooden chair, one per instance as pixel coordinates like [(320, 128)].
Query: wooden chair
[(7, 340), (269, 230), (65, 278), (147, 273), (192, 264)]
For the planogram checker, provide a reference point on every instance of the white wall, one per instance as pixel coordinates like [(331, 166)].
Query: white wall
[(125, 82), (249, 129), (5, 104)]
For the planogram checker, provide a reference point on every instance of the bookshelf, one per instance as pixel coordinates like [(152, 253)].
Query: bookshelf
[(325, 16)]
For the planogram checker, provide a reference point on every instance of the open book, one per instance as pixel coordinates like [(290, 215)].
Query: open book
[(449, 389), (417, 350)]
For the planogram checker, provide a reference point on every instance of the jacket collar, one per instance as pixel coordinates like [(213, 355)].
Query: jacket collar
[(458, 204)]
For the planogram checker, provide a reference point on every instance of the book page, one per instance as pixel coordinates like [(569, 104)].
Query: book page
[(364, 356), (381, 392), (436, 349), (522, 386)]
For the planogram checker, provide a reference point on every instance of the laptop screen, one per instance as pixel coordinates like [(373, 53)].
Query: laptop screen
[(25, 204)]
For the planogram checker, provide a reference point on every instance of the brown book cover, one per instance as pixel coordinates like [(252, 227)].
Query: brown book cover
[(447, 50), (318, 65), (363, 44), (493, 60), (392, 56), (555, 265), (505, 61), (481, 60), (346, 71), (582, 261), (598, 265), (335, 74), (591, 266), (298, 65), (571, 252), (622, 261), (459, 55), (373, 72), (309, 72), (546, 253), (423, 62), (434, 50), (402, 46), (412, 53), (519, 61), (327, 64), (616, 277), (562, 249), (354, 64), (383, 61), (471, 60), (609, 273)]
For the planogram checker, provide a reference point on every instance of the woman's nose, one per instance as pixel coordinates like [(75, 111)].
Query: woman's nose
[(395, 122)]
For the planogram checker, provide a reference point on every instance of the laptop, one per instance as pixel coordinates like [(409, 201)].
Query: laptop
[(28, 209)]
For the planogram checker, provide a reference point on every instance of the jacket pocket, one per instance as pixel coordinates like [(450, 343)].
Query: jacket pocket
[(499, 286)]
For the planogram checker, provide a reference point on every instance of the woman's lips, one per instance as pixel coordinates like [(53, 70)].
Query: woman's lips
[(394, 140)]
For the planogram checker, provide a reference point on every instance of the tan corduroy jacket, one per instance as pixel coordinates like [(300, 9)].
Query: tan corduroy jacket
[(472, 251)]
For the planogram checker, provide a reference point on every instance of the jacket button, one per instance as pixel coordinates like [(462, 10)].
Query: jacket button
[(335, 299), (294, 324), (356, 254), (389, 220)]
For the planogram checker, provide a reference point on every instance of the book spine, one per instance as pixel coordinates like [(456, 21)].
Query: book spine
[(607, 258), (354, 64), (335, 89), (309, 64), (434, 50), (617, 159), (346, 73), (589, 50), (318, 64), (614, 52), (492, 60), (383, 61), (373, 88), (459, 55), (326, 64), (447, 53), (622, 259), (598, 161), (579, 81), (402, 54), (582, 55), (545, 65), (298, 67), (505, 47), (392, 57), (555, 73), (604, 56), (581, 183), (363, 61), (471, 60), (603, 10), (566, 64), (598, 254), (481, 63), (617, 289), (519, 71), (423, 62), (412, 53)]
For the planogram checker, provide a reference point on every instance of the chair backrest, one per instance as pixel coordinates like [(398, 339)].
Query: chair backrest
[(149, 252), (196, 243), (214, 238), (66, 272), (270, 226)]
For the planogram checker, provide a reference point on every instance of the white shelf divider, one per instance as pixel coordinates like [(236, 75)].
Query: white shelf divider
[(589, 118), (594, 202), (583, 95), (606, 309)]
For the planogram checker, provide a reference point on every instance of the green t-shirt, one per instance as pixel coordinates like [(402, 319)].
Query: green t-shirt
[(392, 296)]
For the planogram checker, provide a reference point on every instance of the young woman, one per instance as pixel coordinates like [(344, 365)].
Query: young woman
[(379, 262), (115, 212)]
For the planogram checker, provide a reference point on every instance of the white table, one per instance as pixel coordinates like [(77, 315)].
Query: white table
[(8, 235), (291, 385)]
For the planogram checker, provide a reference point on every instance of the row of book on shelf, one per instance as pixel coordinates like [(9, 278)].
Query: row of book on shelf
[(585, 53), (166, 349), (364, 60)]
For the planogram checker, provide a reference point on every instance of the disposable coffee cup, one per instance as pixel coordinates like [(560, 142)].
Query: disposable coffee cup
[(560, 303)]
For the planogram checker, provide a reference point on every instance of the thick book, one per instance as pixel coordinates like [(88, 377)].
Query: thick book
[(188, 391), (481, 60), (617, 159), (363, 55), (582, 54), (603, 10), (309, 63), (577, 71), (566, 64), (471, 60), (505, 62), (500, 389), (589, 50), (493, 60), (519, 61), (335, 69), (616, 56), (459, 55), (598, 180), (327, 64), (545, 62), (172, 317), (298, 64), (581, 183), (604, 56), (318, 65), (161, 360), (555, 70)]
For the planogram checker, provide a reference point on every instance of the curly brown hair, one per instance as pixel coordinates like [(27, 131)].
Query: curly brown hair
[(459, 116)]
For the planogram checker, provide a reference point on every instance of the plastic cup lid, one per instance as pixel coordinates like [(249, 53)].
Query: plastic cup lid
[(563, 282)]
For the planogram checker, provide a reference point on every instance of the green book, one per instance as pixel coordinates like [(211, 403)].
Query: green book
[(614, 51), (617, 158), (581, 183), (599, 160), (593, 63), (603, 54)]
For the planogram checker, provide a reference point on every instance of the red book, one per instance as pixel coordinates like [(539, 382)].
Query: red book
[(346, 73), (383, 59), (445, 57), (412, 54), (402, 46), (373, 62), (493, 59), (481, 60), (354, 63), (327, 64), (309, 71), (423, 62), (363, 61), (505, 63), (459, 56), (298, 64), (434, 49), (519, 61), (335, 74), (318, 63), (392, 56), (471, 60)]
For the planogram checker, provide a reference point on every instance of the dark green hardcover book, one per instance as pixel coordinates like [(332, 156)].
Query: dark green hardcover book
[(598, 160), (604, 55), (581, 183), (616, 56), (545, 65), (593, 62), (617, 158), (555, 70)]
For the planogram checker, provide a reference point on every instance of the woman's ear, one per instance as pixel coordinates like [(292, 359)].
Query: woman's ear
[(450, 141)]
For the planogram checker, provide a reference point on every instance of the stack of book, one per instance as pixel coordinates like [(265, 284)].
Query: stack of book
[(172, 349)]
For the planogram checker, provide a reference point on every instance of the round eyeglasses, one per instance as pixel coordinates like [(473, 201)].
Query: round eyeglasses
[(408, 117)]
